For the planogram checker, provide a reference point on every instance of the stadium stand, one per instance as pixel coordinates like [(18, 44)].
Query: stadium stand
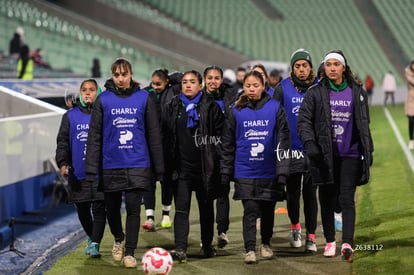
[(71, 38), (144, 11), (239, 26), (397, 15), (275, 39), (67, 45)]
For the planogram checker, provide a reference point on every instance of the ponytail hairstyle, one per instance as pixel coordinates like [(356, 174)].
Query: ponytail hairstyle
[(161, 73)]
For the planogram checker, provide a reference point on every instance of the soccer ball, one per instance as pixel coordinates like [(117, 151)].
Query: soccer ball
[(157, 260)]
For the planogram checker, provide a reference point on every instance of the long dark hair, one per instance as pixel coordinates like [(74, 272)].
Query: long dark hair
[(124, 65), (213, 67), (347, 74), (162, 73)]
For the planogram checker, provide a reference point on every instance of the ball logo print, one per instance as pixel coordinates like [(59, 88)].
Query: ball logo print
[(157, 260), (125, 136), (256, 149), (339, 130)]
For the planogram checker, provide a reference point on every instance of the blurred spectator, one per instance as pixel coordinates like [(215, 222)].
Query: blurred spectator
[(38, 59), (96, 68), (16, 43), (20, 31), (409, 102), (70, 100), (25, 64), (274, 78), (240, 73), (229, 77), (369, 87), (389, 87)]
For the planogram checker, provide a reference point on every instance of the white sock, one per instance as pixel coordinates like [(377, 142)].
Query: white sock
[(149, 212)]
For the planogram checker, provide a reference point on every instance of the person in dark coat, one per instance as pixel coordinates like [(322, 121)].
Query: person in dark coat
[(96, 68), (193, 125), (124, 147), (70, 158), (274, 78), (162, 87), (14, 46), (16, 43), (238, 85), (333, 125), (224, 96), (290, 92), (255, 147)]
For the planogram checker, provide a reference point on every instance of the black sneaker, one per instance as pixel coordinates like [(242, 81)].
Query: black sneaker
[(179, 255), (222, 240), (208, 252)]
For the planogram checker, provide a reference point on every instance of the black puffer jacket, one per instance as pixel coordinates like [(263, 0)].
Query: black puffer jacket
[(161, 100), (127, 178), (263, 189), (173, 88), (314, 126), (225, 93), (210, 125), (78, 190)]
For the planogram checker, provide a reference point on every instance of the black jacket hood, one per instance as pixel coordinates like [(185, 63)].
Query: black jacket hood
[(110, 85)]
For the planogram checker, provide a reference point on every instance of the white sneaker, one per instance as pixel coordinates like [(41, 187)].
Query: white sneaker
[(130, 261), (266, 251), (310, 246), (411, 145), (118, 251), (222, 240), (330, 250), (295, 238), (250, 257)]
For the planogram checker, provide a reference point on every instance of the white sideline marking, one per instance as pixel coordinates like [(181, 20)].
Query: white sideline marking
[(44, 257), (400, 139)]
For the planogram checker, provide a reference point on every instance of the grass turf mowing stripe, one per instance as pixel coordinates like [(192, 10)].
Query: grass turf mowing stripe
[(386, 205)]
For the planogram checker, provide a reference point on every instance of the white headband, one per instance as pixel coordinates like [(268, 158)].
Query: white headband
[(336, 56)]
